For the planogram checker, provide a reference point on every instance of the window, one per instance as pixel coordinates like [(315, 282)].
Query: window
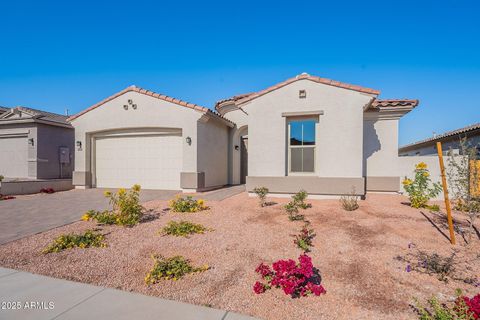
[(301, 145)]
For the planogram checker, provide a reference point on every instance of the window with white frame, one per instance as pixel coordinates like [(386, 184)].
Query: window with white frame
[(301, 145)]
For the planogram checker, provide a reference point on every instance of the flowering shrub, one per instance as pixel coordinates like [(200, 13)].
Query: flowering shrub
[(47, 190), (183, 228), (419, 189), (295, 279), (463, 308), (126, 208), (67, 241), (187, 204), (172, 268), (261, 193), (303, 240)]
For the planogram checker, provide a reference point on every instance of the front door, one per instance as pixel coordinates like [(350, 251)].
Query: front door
[(243, 159)]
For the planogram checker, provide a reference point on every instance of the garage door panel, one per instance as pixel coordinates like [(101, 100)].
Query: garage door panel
[(14, 157), (154, 162)]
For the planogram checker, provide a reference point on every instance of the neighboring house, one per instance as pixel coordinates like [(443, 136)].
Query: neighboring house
[(35, 144), (450, 141), (324, 136)]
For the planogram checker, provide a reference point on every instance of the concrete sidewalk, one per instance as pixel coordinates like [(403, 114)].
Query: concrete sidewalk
[(39, 297)]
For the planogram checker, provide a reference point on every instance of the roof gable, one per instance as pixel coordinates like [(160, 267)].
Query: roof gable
[(154, 95), (22, 113)]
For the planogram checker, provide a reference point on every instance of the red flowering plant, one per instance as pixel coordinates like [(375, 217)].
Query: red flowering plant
[(295, 279), (473, 305)]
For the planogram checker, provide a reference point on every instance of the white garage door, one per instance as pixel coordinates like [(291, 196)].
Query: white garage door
[(13, 157), (154, 162)]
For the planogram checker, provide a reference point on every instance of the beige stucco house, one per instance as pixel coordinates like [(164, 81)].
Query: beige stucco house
[(311, 133)]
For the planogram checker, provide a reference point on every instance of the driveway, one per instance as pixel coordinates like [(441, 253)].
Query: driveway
[(30, 214)]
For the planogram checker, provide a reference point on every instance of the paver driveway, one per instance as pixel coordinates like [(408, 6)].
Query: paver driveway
[(30, 214)]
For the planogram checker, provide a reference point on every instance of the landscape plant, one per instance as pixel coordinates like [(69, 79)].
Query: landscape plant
[(295, 279), (304, 239), (126, 208), (47, 190), (349, 202), (1, 178), (187, 204), (2, 197), (297, 202), (463, 308), (464, 180), (172, 268), (89, 238), (421, 189), (183, 228), (261, 193)]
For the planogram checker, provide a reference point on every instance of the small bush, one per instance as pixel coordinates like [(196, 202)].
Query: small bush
[(421, 189), (298, 202), (187, 204), (88, 239), (1, 178), (464, 308), (261, 193), (303, 240), (299, 199), (183, 228), (423, 262), (126, 208), (171, 269), (434, 208), (349, 202)]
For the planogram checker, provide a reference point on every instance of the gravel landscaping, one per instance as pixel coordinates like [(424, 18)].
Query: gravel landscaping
[(360, 255)]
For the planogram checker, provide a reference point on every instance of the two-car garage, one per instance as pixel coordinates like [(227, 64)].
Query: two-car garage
[(154, 161)]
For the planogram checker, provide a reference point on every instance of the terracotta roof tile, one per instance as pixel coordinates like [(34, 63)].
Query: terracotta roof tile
[(240, 99), (155, 95), (384, 103)]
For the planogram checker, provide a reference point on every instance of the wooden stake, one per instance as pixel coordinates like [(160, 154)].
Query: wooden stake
[(445, 193)]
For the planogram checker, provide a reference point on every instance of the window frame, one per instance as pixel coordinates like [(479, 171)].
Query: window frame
[(290, 147)]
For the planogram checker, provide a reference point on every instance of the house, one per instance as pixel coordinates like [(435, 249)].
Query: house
[(324, 136), (450, 141), (35, 146)]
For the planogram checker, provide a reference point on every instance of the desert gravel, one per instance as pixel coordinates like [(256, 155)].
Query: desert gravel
[(354, 251)]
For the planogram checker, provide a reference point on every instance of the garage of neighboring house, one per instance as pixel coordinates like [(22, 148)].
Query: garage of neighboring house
[(140, 137), (14, 155)]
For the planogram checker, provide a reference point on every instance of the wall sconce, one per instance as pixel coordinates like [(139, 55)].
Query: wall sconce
[(79, 145), (237, 147), (189, 140), (302, 94), (31, 142)]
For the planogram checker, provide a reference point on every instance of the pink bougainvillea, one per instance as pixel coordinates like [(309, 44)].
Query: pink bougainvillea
[(295, 279), (473, 305)]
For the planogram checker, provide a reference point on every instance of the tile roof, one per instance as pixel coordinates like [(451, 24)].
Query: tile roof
[(240, 99), (43, 115), (155, 95), (447, 134), (388, 103), (3, 109)]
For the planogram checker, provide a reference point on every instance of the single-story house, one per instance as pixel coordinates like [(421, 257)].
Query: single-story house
[(312, 133), (450, 141), (35, 145)]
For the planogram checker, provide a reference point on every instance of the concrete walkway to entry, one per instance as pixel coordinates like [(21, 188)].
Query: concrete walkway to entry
[(38, 297)]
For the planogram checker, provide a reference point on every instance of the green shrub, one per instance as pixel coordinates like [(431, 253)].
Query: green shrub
[(261, 193), (304, 239), (89, 238), (421, 189), (126, 208), (172, 268), (434, 208), (299, 199), (435, 310), (187, 204), (183, 228), (297, 202), (1, 178)]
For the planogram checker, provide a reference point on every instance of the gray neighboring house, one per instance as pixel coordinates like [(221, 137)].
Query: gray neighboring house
[(36, 147), (324, 136), (450, 141)]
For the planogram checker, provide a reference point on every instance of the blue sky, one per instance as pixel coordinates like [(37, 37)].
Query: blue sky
[(57, 55)]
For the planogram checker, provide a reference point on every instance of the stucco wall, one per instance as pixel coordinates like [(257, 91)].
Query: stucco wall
[(212, 152), (49, 141), (339, 131), (381, 147)]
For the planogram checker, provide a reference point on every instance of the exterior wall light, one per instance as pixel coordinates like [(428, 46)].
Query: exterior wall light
[(79, 145), (237, 147), (31, 142), (189, 140)]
